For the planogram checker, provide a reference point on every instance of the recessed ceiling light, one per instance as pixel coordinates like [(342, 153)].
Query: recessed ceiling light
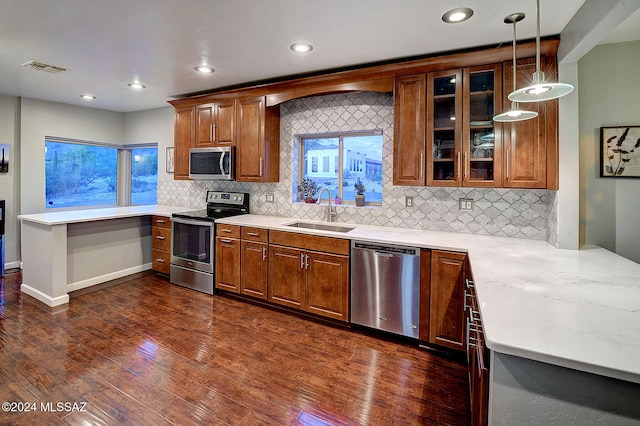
[(204, 69), (301, 47), (137, 86), (88, 97), (459, 14)]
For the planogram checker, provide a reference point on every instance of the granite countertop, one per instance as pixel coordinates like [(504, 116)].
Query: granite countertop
[(87, 215), (573, 308)]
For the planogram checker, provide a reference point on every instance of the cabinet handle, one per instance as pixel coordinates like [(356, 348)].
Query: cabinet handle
[(213, 132), (160, 237), (421, 164), (260, 166), (465, 171), (507, 164), (301, 260), (306, 261), (458, 158), (225, 230), (160, 260), (225, 241), (160, 221), (252, 234), (264, 253)]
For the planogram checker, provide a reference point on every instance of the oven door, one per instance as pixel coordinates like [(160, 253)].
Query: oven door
[(192, 244)]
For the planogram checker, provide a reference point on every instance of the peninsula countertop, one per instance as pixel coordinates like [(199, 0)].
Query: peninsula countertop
[(87, 215), (572, 308)]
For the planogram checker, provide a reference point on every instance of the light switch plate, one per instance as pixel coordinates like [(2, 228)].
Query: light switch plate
[(465, 203), (269, 198), (408, 201)]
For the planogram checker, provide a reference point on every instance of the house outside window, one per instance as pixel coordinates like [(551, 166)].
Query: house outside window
[(353, 154)]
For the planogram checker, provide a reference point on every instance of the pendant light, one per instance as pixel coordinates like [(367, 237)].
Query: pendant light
[(540, 90), (514, 114)]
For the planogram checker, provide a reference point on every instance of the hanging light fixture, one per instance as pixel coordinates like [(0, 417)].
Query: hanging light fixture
[(540, 90), (514, 114)]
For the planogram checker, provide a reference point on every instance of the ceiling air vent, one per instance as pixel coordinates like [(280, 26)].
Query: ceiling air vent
[(39, 66)]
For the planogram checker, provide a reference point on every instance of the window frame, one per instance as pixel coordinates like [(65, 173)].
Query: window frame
[(123, 172), (300, 139)]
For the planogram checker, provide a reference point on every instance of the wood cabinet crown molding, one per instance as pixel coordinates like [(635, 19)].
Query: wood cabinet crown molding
[(373, 77)]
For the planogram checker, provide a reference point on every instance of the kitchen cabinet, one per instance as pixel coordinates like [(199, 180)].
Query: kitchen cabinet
[(309, 273), (258, 141), (254, 250), (446, 300), (161, 244), (477, 359), (184, 131), (409, 112), (531, 146), (227, 275), (215, 124)]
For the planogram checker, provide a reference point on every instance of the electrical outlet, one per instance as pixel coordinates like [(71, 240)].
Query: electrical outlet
[(465, 203), (269, 198), (408, 201)]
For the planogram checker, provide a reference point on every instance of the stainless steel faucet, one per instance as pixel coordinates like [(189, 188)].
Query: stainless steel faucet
[(331, 210)]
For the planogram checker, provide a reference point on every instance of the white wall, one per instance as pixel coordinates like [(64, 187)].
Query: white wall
[(41, 118), (609, 96), (10, 182)]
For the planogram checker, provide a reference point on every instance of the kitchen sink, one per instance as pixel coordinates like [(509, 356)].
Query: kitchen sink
[(321, 226)]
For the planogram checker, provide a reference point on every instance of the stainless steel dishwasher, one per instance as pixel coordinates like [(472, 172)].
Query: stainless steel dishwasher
[(385, 287)]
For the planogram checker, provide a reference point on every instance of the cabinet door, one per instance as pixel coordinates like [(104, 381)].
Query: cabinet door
[(286, 276), (258, 141), (253, 278), (447, 316), (228, 264), (425, 293), (529, 144), (444, 128), (224, 130), (327, 285), (205, 123), (482, 147), (183, 128), (409, 105)]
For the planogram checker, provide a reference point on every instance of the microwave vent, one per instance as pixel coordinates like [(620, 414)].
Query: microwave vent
[(40, 66)]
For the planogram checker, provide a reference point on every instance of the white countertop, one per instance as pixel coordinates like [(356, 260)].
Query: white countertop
[(573, 308), (87, 215)]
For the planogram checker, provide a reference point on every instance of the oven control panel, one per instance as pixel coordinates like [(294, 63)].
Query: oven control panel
[(228, 198)]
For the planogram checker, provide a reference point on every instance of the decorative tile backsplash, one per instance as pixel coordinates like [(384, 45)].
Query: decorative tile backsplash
[(520, 213)]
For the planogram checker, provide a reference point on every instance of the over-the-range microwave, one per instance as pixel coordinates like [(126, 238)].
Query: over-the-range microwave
[(211, 163)]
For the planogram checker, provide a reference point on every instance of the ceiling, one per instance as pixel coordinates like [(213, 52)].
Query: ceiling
[(106, 44)]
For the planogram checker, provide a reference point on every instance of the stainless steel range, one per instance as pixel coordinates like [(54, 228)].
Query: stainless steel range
[(193, 239)]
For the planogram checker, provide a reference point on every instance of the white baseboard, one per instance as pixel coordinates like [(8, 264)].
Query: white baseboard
[(13, 265), (78, 285), (47, 300)]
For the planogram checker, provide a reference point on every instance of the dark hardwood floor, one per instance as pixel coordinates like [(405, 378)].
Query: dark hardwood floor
[(149, 352)]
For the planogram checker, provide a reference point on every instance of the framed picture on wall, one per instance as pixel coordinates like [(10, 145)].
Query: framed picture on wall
[(4, 157), (170, 160), (620, 151)]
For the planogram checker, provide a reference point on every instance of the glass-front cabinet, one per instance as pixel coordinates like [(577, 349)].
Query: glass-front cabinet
[(482, 153), (463, 146)]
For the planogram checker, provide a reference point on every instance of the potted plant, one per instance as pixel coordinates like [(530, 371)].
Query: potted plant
[(308, 189), (359, 187)]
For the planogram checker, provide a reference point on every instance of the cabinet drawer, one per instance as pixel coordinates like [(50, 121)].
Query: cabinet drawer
[(231, 231), (161, 221), (255, 234), (311, 242), (160, 261), (161, 238)]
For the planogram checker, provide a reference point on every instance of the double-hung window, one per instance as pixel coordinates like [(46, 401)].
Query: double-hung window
[(337, 160), (83, 174)]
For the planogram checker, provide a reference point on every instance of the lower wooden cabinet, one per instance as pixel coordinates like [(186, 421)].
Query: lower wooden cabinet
[(442, 313), (478, 361), (254, 268), (308, 279), (227, 268), (161, 244)]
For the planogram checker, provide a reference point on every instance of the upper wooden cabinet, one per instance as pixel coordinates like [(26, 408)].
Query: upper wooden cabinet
[(409, 109), (531, 146), (215, 124), (258, 141), (184, 129)]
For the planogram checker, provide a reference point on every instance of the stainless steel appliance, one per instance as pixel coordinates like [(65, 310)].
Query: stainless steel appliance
[(193, 239), (212, 163), (385, 287)]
